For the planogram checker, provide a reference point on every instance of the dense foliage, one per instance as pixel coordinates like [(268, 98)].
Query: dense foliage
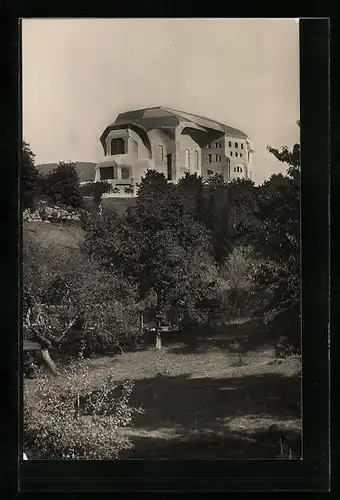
[(95, 190), (278, 244), (71, 418), (29, 177), (61, 185), (69, 300), (186, 253)]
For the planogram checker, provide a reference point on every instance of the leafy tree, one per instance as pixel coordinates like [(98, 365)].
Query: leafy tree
[(69, 301), (278, 244), (62, 186), (191, 189), (30, 177), (217, 218), (96, 190), (208, 203), (242, 199), (160, 246)]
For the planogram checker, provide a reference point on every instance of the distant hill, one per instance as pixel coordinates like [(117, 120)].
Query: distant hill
[(85, 169)]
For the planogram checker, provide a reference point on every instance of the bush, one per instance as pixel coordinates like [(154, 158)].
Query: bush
[(69, 418)]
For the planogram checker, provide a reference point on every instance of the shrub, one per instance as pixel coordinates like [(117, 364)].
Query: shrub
[(69, 418)]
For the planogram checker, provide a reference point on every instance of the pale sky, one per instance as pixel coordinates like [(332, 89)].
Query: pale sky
[(78, 74)]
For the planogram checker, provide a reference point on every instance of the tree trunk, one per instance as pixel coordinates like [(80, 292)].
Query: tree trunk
[(49, 362), (158, 332), (158, 339)]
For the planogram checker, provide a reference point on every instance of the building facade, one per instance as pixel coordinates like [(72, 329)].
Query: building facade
[(172, 142)]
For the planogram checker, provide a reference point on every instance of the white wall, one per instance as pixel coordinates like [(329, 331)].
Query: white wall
[(186, 142)]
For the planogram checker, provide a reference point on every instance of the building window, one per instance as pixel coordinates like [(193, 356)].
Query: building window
[(208, 146), (230, 144), (236, 154), (220, 144), (169, 166), (240, 169), (125, 172), (216, 157), (209, 158), (241, 155), (234, 169), (242, 145), (160, 153), (210, 172), (231, 153), (216, 144), (196, 160), (236, 144), (117, 146), (187, 159), (106, 173), (220, 158)]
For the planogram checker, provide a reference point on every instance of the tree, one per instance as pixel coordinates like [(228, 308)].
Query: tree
[(96, 190), (62, 186), (242, 199), (160, 247), (208, 203), (70, 301), (278, 245), (30, 177), (217, 218)]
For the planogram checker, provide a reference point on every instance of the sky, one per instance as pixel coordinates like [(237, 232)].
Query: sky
[(78, 74)]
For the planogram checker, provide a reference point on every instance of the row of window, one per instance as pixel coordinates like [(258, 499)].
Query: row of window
[(236, 169), (214, 158), (108, 173), (187, 159), (236, 145), (216, 145), (118, 148), (236, 154)]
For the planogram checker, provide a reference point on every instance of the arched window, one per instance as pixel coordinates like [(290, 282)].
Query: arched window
[(234, 169), (160, 153), (187, 159), (117, 146), (240, 169), (196, 160)]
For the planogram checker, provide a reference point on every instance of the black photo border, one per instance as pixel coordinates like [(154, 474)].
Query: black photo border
[(309, 474)]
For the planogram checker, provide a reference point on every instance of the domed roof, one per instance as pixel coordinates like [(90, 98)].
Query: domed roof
[(162, 117)]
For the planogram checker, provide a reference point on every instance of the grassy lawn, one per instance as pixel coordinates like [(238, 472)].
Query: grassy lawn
[(200, 404)]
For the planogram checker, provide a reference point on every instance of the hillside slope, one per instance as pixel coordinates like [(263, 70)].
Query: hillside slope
[(66, 235)]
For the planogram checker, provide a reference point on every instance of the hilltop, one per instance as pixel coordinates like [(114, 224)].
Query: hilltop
[(85, 169)]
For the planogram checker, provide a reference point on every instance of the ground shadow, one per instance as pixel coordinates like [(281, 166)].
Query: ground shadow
[(205, 445), (235, 337), (196, 413), (188, 403)]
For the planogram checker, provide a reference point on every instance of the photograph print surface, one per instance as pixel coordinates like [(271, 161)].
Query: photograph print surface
[(161, 238)]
